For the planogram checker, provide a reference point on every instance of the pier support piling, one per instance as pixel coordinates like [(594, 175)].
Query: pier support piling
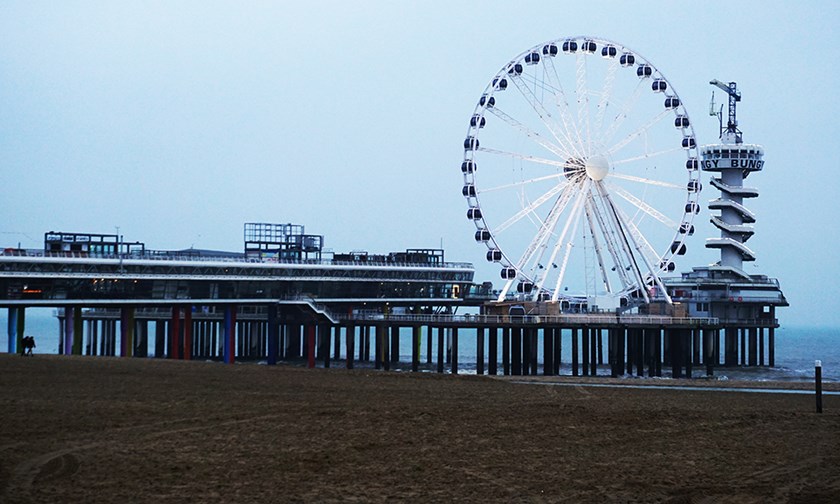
[(440, 350), (493, 349), (709, 337), (188, 333), (479, 351), (753, 346), (325, 337), (310, 345), (429, 338), (377, 347), (454, 350), (688, 350), (273, 335), (506, 344), (175, 333), (395, 344), (516, 351), (548, 351), (526, 350), (127, 327), (761, 346), (350, 341), (415, 348), (585, 350), (337, 343), (15, 328), (229, 339)]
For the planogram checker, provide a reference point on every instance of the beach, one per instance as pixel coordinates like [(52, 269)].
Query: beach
[(82, 429)]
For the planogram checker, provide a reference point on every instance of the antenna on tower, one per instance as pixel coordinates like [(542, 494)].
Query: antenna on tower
[(731, 129), (718, 112)]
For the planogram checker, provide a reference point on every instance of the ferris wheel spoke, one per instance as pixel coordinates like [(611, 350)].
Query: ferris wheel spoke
[(638, 132), (582, 95), (626, 108), (560, 134), (524, 183), (646, 156), (524, 157), (530, 208), (560, 151), (543, 86), (536, 103), (561, 103), (648, 181), (606, 94), (644, 207)]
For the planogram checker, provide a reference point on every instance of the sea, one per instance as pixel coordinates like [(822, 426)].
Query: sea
[(797, 350)]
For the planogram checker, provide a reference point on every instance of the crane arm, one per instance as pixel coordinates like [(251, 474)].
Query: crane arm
[(729, 89)]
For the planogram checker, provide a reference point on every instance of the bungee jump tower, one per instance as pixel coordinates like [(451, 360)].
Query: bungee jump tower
[(745, 304)]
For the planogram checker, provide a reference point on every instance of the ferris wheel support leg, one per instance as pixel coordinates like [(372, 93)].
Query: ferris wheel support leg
[(505, 290), (656, 279), (597, 247), (576, 211), (622, 230), (662, 288)]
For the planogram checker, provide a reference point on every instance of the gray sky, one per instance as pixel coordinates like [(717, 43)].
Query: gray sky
[(180, 121)]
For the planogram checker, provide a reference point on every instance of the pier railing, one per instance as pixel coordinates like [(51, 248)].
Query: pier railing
[(153, 255), (576, 320)]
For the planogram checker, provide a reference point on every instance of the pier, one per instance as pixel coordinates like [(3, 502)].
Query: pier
[(282, 301), (375, 332)]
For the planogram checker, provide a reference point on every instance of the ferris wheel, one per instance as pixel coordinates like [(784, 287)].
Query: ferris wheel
[(581, 173)]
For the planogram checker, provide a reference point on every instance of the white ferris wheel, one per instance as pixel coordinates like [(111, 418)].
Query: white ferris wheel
[(581, 173)]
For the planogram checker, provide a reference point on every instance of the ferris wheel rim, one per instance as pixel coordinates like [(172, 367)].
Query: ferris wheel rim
[(471, 146)]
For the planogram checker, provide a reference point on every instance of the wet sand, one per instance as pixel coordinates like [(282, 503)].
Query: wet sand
[(81, 429)]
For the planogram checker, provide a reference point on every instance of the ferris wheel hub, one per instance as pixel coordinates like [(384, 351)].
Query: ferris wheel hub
[(597, 167)]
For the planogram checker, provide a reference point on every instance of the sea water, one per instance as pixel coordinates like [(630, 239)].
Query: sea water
[(797, 348)]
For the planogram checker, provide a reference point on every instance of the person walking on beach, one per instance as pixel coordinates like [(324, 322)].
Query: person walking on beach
[(28, 345)]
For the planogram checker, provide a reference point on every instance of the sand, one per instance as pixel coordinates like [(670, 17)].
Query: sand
[(82, 429)]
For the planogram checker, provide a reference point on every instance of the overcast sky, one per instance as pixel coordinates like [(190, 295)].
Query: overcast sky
[(180, 121)]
